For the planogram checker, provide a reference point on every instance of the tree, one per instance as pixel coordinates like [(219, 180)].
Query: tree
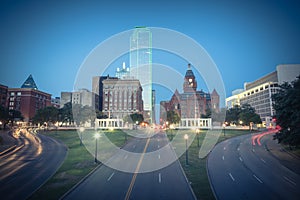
[(4, 116), (248, 115), (47, 114), (101, 115), (133, 118), (83, 114), (66, 113), (173, 117), (245, 113), (232, 115), (287, 107)]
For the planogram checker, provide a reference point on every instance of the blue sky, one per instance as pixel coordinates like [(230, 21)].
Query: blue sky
[(50, 39)]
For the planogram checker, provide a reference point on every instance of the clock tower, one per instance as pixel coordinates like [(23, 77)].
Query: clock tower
[(190, 83)]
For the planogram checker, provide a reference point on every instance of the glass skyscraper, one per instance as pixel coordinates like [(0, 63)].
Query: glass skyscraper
[(141, 65)]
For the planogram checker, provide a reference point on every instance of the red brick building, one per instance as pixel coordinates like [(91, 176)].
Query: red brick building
[(27, 99), (122, 97), (191, 103)]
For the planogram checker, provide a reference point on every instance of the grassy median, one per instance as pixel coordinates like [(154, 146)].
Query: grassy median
[(196, 170), (78, 163)]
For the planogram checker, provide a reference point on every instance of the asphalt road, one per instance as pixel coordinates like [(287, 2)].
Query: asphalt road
[(166, 183), (24, 169), (247, 167)]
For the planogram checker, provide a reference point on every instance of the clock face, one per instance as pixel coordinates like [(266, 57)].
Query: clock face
[(190, 80)]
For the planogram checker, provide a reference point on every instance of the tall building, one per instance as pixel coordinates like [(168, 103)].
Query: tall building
[(97, 88), (28, 99), (259, 93), (141, 65), (121, 97), (83, 97), (153, 106), (3, 95), (55, 102), (191, 104), (65, 97)]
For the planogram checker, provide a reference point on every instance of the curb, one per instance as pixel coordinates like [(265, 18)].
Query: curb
[(210, 183), (53, 172), (207, 169), (84, 178), (81, 181), (186, 179)]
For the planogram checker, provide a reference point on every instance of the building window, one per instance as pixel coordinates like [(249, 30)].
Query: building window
[(18, 93), (12, 94)]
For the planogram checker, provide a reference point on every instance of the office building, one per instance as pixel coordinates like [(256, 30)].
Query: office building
[(3, 95), (97, 88), (141, 65), (82, 97), (85, 98), (65, 97), (121, 97), (55, 102), (259, 93), (28, 99)]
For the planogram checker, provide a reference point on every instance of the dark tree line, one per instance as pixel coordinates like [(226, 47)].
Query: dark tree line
[(68, 114), (9, 116), (133, 118), (245, 113), (287, 107)]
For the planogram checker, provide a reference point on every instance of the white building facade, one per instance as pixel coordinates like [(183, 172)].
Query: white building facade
[(259, 93)]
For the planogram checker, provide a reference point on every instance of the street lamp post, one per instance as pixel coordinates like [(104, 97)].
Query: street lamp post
[(186, 137), (171, 130), (97, 135), (197, 132), (224, 125), (136, 124), (81, 129)]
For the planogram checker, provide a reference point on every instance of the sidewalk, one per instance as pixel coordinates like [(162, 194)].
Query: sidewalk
[(287, 159)]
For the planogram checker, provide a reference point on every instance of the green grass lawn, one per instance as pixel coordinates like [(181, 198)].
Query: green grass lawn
[(78, 163), (196, 170)]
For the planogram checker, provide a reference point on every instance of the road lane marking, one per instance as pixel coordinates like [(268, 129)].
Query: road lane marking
[(159, 178), (289, 180), (111, 176), (158, 156), (257, 178), (241, 159), (238, 149), (223, 157), (253, 150), (136, 171), (158, 146), (231, 177), (224, 148), (263, 160), (125, 157)]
